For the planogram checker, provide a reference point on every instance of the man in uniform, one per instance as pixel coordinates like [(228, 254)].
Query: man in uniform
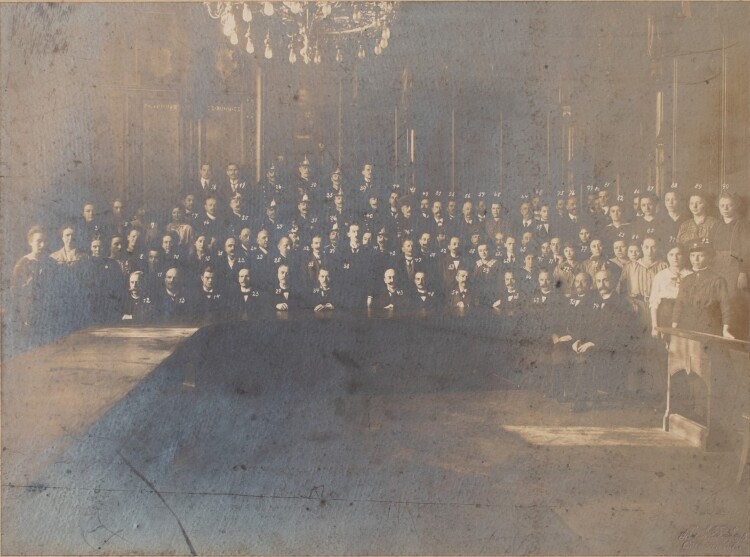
[(272, 188), (335, 187), (307, 187), (273, 223), (238, 219), (338, 215)]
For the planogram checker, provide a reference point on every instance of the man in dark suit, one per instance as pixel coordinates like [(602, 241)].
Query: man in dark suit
[(283, 297), (450, 263), (248, 302), (205, 185), (422, 297), (391, 297), (323, 298), (461, 297), (207, 303), (170, 301)]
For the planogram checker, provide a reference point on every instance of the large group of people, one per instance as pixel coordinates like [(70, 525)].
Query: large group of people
[(585, 273)]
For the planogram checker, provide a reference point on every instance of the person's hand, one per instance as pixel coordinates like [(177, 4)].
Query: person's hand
[(127, 317), (726, 333), (566, 338), (742, 281), (369, 301), (389, 306), (674, 325), (497, 304), (576, 345), (282, 307), (319, 307), (460, 305), (654, 333)]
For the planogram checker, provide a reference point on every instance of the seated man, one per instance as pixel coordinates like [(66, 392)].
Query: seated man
[(391, 297), (422, 298), (573, 318), (461, 297), (508, 298), (283, 298), (137, 307), (601, 345), (249, 302), (323, 298), (170, 300), (207, 303)]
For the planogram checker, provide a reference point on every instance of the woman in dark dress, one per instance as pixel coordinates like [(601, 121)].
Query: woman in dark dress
[(731, 240)]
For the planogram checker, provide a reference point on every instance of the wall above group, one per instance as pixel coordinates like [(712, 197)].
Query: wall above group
[(104, 100)]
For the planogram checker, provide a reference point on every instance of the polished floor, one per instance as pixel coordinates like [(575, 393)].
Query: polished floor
[(336, 437)]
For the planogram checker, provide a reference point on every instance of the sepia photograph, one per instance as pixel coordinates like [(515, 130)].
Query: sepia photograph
[(375, 278)]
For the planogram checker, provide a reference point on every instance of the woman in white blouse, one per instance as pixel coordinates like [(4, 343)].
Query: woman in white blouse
[(666, 284)]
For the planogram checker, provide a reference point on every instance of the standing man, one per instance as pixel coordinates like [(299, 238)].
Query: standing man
[(367, 188), (205, 186)]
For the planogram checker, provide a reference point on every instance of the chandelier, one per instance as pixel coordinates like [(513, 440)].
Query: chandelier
[(310, 29)]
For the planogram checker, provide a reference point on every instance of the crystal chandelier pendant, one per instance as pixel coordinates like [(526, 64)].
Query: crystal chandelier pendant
[(247, 15), (334, 24)]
